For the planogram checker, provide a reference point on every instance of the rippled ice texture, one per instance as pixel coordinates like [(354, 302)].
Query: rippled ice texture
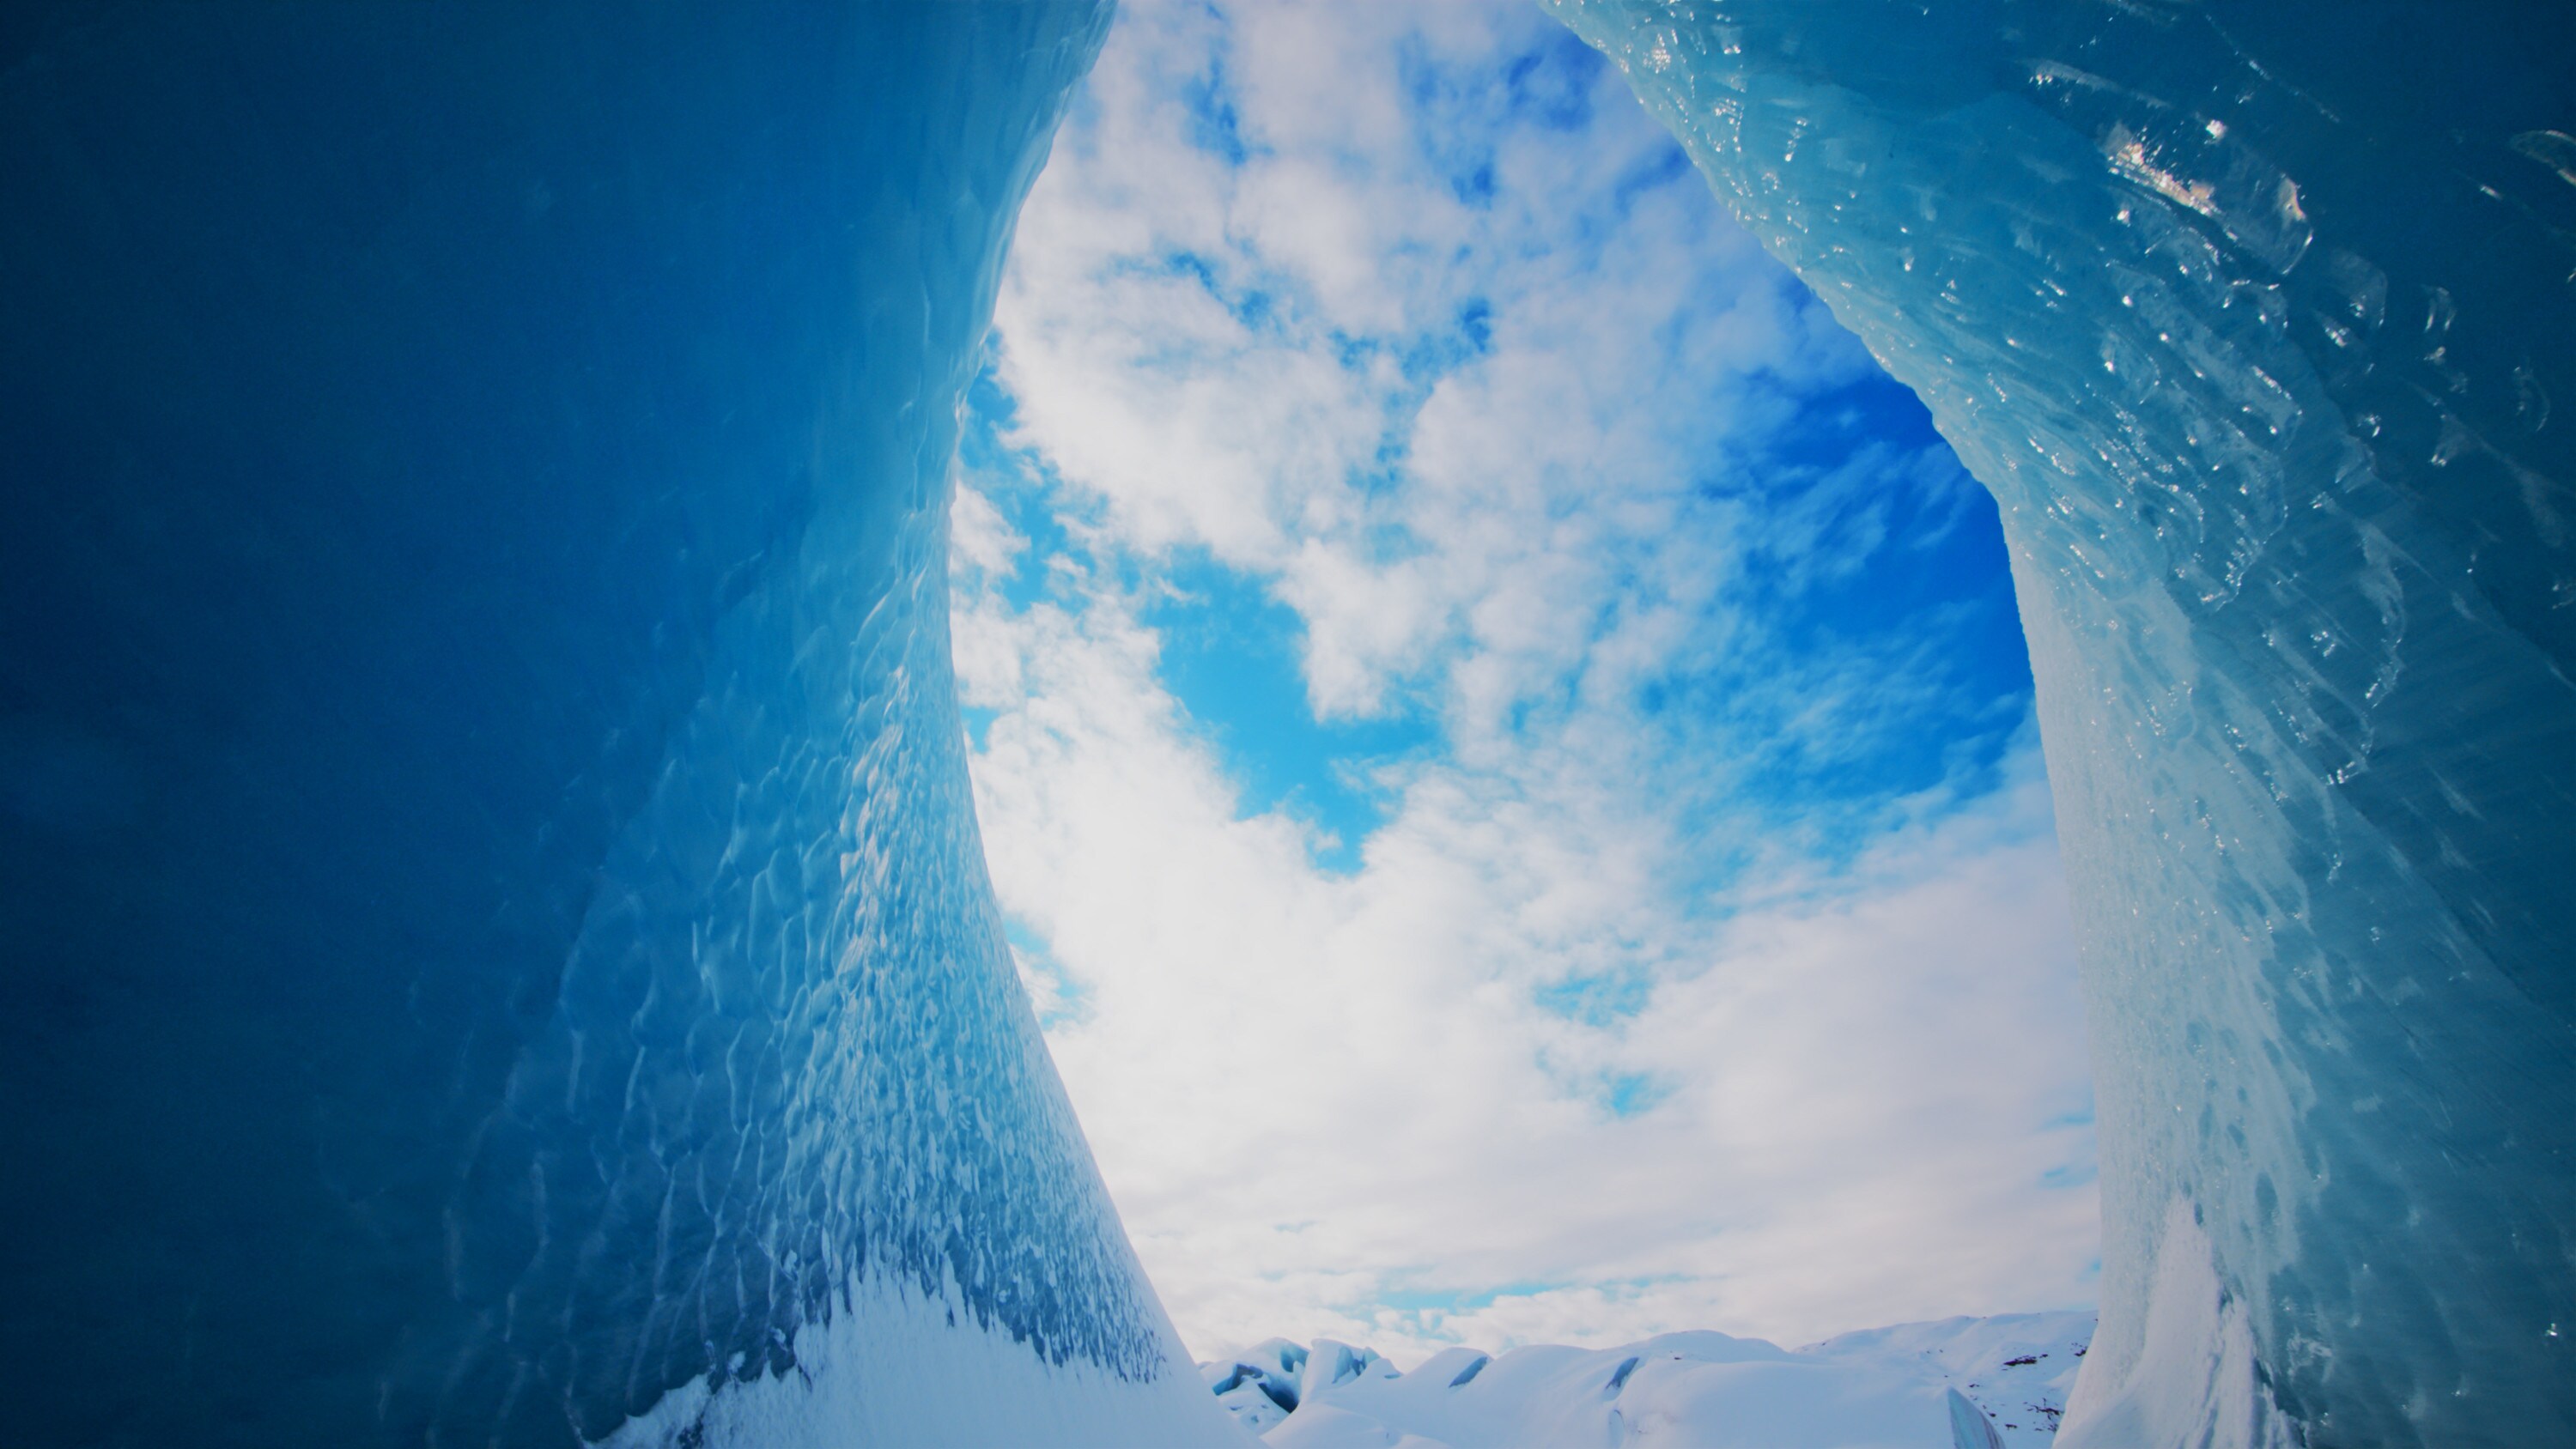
[(497, 933), (2257, 319)]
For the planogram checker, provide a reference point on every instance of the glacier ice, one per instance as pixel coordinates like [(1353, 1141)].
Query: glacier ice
[(2257, 320), (1972, 1383), (1261, 1385), (499, 948)]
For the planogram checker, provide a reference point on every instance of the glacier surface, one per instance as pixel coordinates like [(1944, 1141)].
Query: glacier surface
[(1971, 1383), (2257, 320), (499, 947)]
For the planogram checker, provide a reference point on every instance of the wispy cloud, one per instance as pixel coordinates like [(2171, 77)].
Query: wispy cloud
[(1707, 963)]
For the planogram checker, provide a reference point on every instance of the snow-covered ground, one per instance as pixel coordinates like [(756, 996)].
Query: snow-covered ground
[(1961, 1383)]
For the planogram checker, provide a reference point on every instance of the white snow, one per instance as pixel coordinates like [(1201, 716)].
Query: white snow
[(896, 1367), (2196, 1366), (1961, 1383)]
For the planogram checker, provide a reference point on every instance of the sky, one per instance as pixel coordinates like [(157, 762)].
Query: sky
[(1503, 739)]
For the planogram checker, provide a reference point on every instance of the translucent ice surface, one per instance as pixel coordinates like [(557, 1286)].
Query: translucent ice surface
[(498, 948), (2257, 319)]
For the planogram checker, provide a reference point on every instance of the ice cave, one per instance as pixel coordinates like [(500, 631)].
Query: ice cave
[(500, 949)]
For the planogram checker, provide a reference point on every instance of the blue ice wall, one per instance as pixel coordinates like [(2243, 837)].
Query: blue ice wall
[(2259, 318), (494, 924)]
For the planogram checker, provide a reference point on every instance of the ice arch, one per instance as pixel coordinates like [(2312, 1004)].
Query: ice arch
[(496, 941), (2253, 317)]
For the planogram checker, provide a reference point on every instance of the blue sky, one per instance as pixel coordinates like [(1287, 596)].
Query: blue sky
[(1503, 738)]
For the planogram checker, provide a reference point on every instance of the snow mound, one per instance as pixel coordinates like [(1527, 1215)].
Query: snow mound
[(1961, 1383)]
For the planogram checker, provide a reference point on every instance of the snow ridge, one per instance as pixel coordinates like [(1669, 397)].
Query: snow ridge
[(1960, 1383)]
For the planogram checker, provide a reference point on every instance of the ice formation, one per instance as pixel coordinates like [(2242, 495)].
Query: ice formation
[(1971, 1383), (500, 952), (2254, 317)]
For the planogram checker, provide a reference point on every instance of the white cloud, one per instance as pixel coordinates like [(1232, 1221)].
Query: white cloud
[(1362, 1103), (1308, 1092)]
